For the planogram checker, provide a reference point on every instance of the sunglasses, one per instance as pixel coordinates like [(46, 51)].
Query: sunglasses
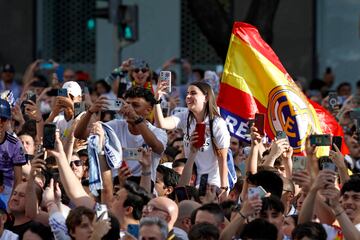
[(76, 162), (143, 70)]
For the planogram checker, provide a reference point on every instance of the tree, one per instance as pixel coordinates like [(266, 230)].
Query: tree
[(216, 24)]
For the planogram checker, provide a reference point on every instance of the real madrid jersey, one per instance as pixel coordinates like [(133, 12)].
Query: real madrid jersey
[(11, 154)]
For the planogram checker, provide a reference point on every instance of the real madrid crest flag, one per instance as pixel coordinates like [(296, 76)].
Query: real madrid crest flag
[(254, 81)]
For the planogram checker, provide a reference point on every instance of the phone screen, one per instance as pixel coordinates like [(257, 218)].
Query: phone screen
[(203, 184), (49, 136), (337, 140), (79, 107), (259, 123)]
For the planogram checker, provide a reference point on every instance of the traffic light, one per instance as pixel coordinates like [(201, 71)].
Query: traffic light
[(124, 17), (128, 23)]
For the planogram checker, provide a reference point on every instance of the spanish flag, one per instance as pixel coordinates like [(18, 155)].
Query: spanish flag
[(255, 81)]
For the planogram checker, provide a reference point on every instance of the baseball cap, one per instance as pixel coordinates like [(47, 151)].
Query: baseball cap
[(73, 88), (8, 68), (5, 110)]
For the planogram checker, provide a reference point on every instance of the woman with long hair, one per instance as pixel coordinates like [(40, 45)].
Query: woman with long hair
[(212, 155)]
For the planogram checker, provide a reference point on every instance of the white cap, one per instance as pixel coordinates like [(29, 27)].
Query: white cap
[(73, 88)]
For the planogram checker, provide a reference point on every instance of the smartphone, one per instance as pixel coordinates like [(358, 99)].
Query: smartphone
[(124, 164), (259, 123), (203, 184), (249, 124), (326, 163), (133, 229), (165, 76), (181, 194), (200, 129), (46, 65), (333, 100), (62, 92), (79, 107), (280, 135), (30, 96), (114, 104), (299, 163), (320, 140), (178, 60), (29, 157), (337, 140), (102, 211), (131, 154), (49, 136)]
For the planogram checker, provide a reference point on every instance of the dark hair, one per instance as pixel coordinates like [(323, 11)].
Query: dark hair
[(204, 231), (343, 84), (212, 208), (113, 233), (272, 203), (228, 207), (311, 230), (200, 71), (295, 218), (269, 180), (137, 198), (74, 218), (353, 184), (104, 84), (39, 229), (170, 177), (259, 229), (140, 92), (178, 163), (179, 139)]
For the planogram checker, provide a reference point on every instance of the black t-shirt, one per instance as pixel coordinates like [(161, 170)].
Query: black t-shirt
[(19, 229)]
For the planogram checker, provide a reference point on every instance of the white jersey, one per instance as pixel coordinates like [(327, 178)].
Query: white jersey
[(206, 161)]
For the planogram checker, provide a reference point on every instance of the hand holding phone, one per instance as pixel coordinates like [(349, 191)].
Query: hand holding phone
[(114, 104), (49, 136), (165, 76), (102, 211), (132, 154), (299, 163), (259, 123)]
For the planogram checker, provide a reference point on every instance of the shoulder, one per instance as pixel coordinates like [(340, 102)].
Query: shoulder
[(12, 139)]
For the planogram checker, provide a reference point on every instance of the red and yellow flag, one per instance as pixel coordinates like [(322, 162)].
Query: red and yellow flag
[(255, 81)]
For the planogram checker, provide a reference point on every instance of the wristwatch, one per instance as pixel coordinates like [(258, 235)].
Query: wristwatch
[(139, 120), (158, 101)]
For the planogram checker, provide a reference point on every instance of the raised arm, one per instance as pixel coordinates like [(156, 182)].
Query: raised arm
[(81, 130), (162, 122), (145, 163), (324, 178), (71, 184), (337, 157)]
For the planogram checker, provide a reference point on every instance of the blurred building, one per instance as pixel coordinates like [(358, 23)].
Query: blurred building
[(308, 35)]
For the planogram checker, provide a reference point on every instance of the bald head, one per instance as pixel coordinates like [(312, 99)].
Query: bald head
[(186, 207), (160, 206)]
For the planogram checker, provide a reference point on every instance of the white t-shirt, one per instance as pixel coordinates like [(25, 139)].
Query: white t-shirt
[(65, 126), (129, 140), (9, 235), (206, 161)]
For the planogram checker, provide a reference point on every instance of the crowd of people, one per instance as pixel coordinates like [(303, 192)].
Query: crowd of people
[(128, 157)]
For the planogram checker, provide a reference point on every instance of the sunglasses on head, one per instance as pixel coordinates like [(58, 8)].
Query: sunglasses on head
[(143, 70), (76, 162)]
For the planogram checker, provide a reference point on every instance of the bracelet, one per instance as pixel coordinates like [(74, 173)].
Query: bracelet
[(338, 214), (139, 120), (158, 101), (146, 173), (242, 215)]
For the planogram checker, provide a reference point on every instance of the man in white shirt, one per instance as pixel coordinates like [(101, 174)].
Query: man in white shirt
[(134, 130)]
